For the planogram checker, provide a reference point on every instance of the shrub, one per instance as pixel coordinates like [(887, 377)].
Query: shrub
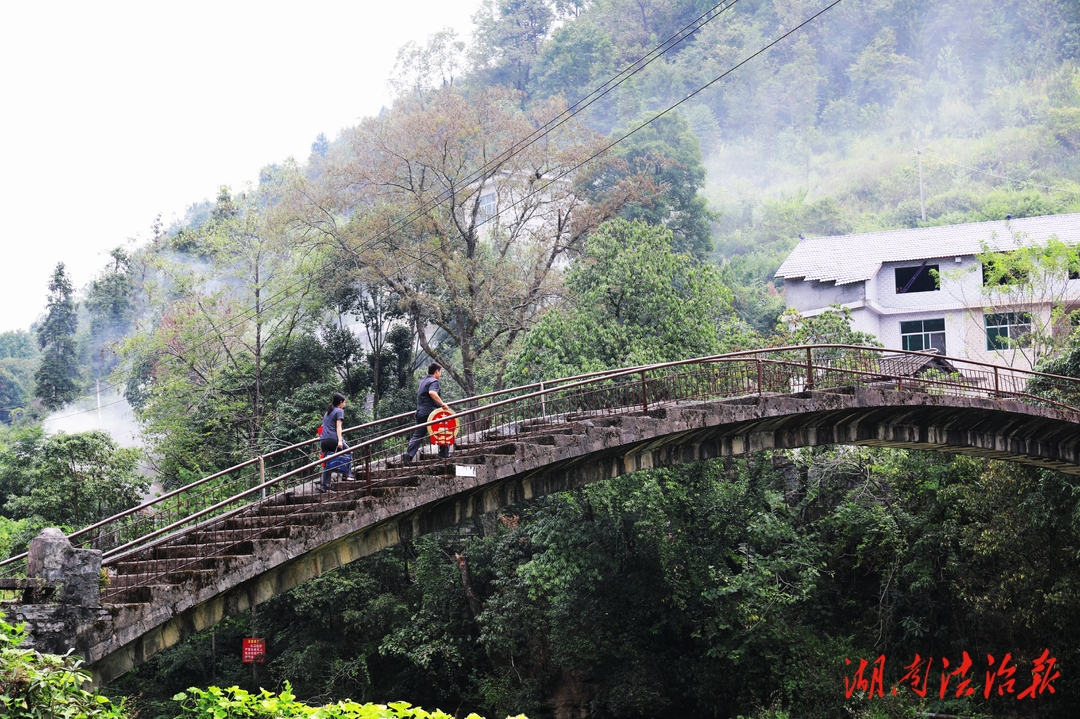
[(234, 702), (46, 686)]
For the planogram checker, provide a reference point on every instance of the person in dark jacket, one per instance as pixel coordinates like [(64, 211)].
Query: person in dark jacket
[(427, 401), (331, 439)]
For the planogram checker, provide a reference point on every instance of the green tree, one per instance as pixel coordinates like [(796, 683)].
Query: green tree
[(578, 58), (832, 326), (20, 448), (205, 372), (57, 378), (111, 304), (670, 154), (78, 479), (472, 276), (14, 389), (633, 300), (345, 354), (17, 344), (19, 359), (1031, 284), (508, 38)]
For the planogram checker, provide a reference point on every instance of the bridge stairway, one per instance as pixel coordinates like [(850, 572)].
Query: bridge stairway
[(207, 569), (204, 552)]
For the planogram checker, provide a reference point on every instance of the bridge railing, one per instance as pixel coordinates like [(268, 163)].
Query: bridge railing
[(171, 508), (253, 499)]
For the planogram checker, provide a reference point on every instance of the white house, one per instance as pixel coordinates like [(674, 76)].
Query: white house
[(923, 288)]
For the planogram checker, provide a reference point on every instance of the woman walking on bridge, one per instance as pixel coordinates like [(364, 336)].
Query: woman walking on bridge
[(331, 439)]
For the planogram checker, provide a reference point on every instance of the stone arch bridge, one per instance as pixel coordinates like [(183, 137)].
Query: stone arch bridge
[(137, 583)]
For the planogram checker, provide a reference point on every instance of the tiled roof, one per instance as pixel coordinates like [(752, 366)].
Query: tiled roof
[(854, 258), (901, 365)]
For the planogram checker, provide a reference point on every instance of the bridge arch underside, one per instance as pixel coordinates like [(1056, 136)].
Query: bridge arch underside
[(563, 456)]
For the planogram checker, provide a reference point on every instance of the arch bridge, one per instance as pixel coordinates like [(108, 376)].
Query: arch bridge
[(137, 583)]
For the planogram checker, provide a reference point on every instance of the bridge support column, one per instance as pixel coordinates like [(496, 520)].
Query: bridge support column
[(62, 622), (76, 573)]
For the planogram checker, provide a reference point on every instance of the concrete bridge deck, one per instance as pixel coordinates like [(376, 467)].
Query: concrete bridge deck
[(185, 581)]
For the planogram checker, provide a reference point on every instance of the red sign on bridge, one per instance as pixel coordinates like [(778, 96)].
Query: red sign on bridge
[(254, 650)]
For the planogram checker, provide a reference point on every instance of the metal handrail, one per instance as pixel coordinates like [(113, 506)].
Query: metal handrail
[(371, 442), (165, 533), (161, 499), (547, 391)]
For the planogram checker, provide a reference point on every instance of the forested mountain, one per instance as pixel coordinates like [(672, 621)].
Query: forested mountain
[(721, 589)]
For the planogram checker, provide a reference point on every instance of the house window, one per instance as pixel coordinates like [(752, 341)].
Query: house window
[(923, 278), (1003, 275), (488, 204), (1008, 329), (923, 335)]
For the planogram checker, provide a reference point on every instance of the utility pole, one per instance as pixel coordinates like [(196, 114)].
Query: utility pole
[(97, 384), (922, 199), (254, 664)]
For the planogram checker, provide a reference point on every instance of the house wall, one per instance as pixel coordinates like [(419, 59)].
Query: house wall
[(812, 295), (959, 300), (957, 281), (877, 309)]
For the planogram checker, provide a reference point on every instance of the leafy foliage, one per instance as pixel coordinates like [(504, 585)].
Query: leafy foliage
[(61, 480), (57, 377), (634, 301), (1035, 274), (46, 686), (715, 589), (234, 702), (666, 149), (111, 304)]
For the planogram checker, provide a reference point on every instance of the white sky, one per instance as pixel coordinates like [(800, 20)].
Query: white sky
[(111, 112)]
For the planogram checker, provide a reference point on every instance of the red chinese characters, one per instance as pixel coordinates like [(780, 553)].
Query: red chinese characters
[(253, 650), (964, 689), (858, 681), (916, 675), (1004, 673), (1041, 675), (1000, 675)]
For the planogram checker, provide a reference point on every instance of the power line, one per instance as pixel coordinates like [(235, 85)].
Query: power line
[(551, 125), (1001, 177), (671, 42), (86, 411), (538, 134), (693, 94), (579, 106)]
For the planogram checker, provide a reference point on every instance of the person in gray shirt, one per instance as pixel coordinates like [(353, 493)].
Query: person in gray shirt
[(427, 401)]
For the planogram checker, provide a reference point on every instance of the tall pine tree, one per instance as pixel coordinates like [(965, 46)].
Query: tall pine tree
[(57, 378)]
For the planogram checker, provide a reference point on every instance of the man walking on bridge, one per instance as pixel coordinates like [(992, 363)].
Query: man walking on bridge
[(427, 401)]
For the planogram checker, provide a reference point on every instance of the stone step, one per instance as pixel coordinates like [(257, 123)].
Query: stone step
[(131, 595), (359, 485), (305, 496), (161, 575), (211, 561), (182, 551), (238, 530), (388, 492), (245, 524), (330, 503), (146, 566)]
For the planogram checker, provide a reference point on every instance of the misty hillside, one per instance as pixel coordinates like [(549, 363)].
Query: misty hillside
[(818, 134), (630, 232)]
